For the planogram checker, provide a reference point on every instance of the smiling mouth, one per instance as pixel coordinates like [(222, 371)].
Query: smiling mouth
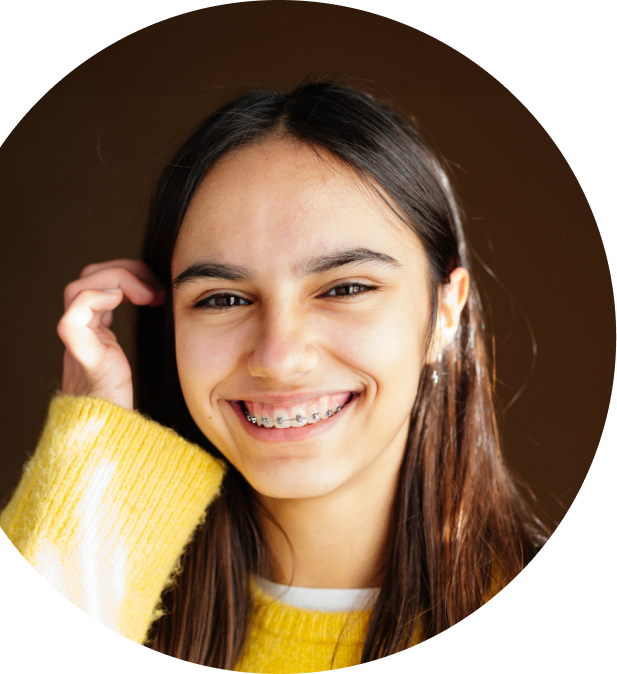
[(311, 412)]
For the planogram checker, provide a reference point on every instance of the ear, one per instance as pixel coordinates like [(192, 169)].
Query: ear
[(453, 297)]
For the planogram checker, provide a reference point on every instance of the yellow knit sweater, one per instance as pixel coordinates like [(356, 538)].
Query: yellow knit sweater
[(106, 506)]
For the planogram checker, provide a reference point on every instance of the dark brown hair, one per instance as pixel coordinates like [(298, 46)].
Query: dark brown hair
[(459, 524)]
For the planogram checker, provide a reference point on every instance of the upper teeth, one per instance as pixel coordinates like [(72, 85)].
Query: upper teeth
[(299, 415)]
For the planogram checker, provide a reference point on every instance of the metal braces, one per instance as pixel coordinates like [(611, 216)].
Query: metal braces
[(298, 418)]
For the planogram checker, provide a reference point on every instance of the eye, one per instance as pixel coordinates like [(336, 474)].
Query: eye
[(349, 289), (225, 301), (221, 302)]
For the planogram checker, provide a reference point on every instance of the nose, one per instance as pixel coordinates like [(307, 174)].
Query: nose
[(283, 350)]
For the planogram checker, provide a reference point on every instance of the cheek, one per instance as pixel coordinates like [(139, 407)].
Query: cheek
[(389, 349), (204, 359)]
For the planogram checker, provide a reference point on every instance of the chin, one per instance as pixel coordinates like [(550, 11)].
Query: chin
[(294, 480)]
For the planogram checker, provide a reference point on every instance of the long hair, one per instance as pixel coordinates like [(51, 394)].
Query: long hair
[(459, 523)]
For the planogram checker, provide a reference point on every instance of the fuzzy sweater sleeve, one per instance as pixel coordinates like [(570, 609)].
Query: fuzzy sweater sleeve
[(105, 507)]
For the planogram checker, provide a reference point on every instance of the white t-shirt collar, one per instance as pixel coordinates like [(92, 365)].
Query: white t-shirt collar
[(319, 599)]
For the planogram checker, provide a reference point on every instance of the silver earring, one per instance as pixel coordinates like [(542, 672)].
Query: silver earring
[(435, 374)]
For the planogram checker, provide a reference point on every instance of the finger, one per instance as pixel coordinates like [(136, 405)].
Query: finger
[(107, 318), (134, 289), (137, 267), (75, 328)]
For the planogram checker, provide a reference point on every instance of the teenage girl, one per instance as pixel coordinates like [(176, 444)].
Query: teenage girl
[(312, 471)]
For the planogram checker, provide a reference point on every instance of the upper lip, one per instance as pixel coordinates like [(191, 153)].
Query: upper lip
[(289, 399)]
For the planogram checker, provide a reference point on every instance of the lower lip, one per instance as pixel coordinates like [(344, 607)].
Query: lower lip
[(278, 436)]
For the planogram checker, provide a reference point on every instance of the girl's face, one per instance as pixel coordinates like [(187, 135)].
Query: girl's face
[(297, 291)]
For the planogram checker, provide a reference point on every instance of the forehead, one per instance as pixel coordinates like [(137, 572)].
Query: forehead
[(277, 202)]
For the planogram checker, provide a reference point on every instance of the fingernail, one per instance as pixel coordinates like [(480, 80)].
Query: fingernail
[(112, 290)]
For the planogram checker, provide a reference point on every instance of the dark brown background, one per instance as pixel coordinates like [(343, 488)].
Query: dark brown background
[(76, 175)]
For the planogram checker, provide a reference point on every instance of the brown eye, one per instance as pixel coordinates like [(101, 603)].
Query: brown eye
[(347, 289), (222, 301)]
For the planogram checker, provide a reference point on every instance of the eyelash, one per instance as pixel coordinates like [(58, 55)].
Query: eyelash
[(202, 304)]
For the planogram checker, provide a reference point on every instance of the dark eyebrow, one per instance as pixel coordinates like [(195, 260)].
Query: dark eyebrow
[(314, 266), (227, 272), (325, 263)]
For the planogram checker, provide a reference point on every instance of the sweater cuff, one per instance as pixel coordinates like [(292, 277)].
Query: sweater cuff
[(106, 506)]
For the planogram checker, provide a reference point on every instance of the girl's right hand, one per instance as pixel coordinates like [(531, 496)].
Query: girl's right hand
[(94, 363)]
